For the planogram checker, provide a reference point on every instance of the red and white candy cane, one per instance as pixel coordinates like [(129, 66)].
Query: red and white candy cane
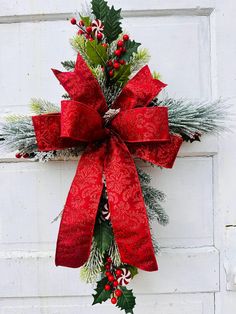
[(105, 213), (125, 277), (97, 27)]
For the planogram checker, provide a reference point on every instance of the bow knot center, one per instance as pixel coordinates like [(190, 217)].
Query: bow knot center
[(110, 114)]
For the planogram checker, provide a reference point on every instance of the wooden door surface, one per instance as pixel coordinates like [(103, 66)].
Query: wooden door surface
[(192, 44)]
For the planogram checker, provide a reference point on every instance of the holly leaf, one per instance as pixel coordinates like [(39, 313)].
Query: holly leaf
[(112, 24), (100, 9), (126, 301), (103, 236), (101, 294), (96, 52), (86, 20), (122, 75), (133, 270), (131, 48)]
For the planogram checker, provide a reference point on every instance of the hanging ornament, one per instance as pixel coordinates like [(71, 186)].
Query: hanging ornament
[(105, 213), (125, 277), (97, 27)]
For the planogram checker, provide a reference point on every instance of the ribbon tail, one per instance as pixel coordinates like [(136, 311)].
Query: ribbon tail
[(79, 215), (128, 213), (162, 154)]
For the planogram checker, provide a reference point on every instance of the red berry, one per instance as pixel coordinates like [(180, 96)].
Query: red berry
[(109, 260), (115, 283), (81, 23), (123, 49), (108, 273), (122, 61), (110, 63), (105, 45), (89, 29), (91, 39), (111, 73), (113, 300), (18, 155), (107, 287), (26, 155), (99, 36), (126, 37), (120, 43), (73, 21), (118, 272), (116, 65), (107, 267), (111, 278), (118, 293), (117, 53), (80, 32)]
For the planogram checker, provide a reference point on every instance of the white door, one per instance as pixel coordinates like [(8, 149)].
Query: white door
[(193, 46)]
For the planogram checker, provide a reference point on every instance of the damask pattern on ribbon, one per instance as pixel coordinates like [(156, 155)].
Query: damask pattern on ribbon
[(141, 132)]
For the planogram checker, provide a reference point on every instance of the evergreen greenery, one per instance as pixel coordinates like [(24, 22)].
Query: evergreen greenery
[(127, 301), (68, 65), (192, 119)]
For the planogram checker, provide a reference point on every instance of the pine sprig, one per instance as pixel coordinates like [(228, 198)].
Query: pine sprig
[(139, 59), (92, 268), (69, 65), (192, 118), (17, 133), (39, 106), (79, 45)]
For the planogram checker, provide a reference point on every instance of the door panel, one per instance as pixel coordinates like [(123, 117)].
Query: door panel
[(180, 37)]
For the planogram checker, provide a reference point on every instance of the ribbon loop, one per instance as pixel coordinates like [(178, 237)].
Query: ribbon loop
[(82, 86), (80, 122), (142, 125), (47, 129), (139, 91)]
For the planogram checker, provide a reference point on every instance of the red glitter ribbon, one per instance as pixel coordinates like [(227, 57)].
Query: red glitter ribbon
[(136, 131)]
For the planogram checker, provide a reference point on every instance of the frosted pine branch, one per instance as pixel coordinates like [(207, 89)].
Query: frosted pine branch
[(192, 118)]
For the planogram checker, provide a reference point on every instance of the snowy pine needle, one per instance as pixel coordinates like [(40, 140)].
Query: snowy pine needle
[(188, 117), (39, 106)]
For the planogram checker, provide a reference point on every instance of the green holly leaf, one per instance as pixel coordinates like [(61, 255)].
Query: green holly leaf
[(109, 17), (133, 270), (131, 48), (86, 20), (112, 24), (103, 236), (122, 75), (96, 52), (101, 294), (100, 9), (126, 301)]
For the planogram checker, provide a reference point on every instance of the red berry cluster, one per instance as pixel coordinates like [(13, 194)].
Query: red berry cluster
[(19, 155), (118, 61), (112, 275), (90, 32)]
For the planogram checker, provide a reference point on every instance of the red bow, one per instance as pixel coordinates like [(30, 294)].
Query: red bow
[(136, 130)]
